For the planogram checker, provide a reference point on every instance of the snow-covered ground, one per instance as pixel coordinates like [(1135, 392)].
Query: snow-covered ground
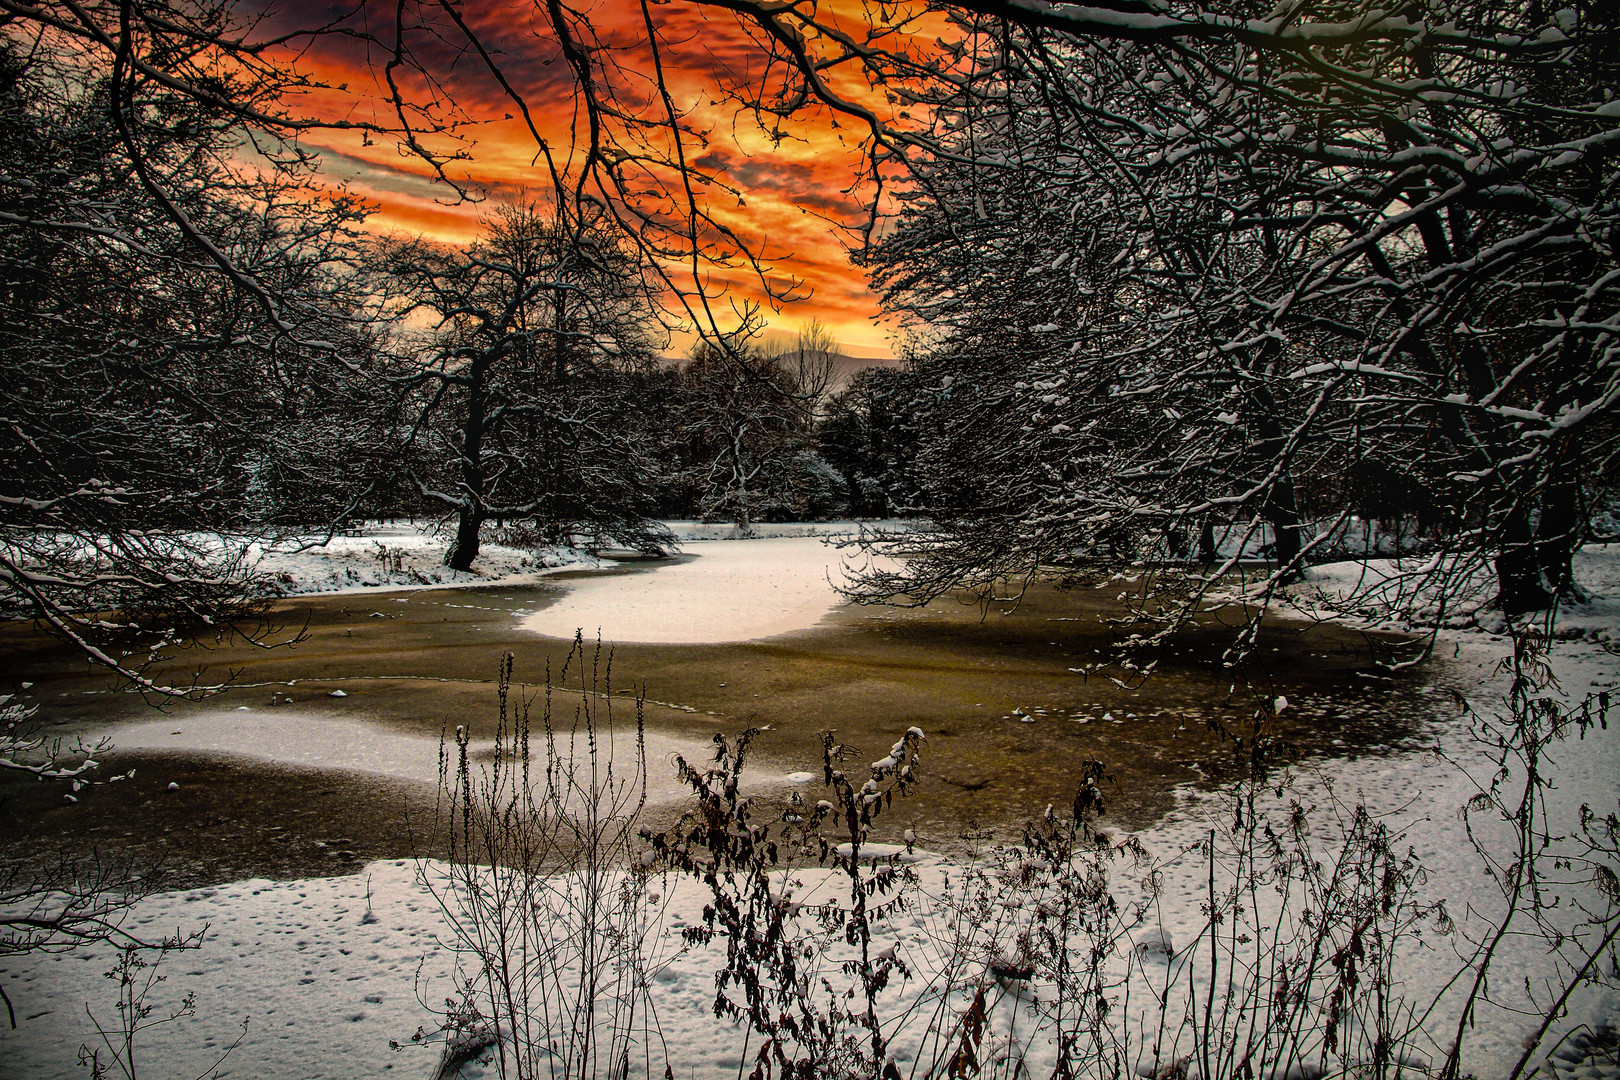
[(382, 555), (390, 556), (329, 971), (781, 580), (686, 531)]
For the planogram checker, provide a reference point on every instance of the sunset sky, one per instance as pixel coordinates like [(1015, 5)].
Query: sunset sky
[(788, 193)]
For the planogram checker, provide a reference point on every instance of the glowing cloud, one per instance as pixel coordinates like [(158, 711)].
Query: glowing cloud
[(782, 187)]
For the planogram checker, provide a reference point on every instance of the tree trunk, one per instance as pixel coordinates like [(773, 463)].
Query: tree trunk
[(1206, 544), (1558, 532), (464, 549), (471, 515), (1520, 588), (1175, 542), (743, 522), (743, 517), (1284, 517), (1281, 508)]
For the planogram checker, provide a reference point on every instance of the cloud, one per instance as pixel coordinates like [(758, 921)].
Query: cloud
[(787, 181)]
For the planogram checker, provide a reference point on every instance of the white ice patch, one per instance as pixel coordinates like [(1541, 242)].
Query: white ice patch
[(288, 739), (284, 737), (728, 591)]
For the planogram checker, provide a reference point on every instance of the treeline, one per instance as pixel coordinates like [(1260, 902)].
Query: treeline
[(592, 446)]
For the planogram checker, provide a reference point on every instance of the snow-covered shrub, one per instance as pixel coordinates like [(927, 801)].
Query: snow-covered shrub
[(803, 488), (23, 748)]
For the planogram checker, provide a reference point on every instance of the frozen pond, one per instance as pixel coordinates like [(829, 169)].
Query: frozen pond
[(740, 634), (721, 591), (321, 742)]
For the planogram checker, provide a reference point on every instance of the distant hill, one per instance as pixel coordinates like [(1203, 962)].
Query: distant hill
[(846, 366)]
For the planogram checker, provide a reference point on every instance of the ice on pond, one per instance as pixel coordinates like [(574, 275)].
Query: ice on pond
[(321, 742), (735, 590)]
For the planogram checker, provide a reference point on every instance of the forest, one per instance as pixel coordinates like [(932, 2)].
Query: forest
[(1353, 273)]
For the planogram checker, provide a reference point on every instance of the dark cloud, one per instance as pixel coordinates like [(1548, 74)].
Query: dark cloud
[(379, 176)]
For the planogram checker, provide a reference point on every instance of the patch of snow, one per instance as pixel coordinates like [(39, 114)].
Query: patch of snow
[(287, 737), (388, 557), (737, 591), (690, 531), (395, 557)]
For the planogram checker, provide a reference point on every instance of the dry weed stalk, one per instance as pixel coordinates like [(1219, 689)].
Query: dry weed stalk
[(548, 919)]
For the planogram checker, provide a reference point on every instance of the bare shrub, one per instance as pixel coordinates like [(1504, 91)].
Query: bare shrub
[(805, 977), (136, 973), (548, 921)]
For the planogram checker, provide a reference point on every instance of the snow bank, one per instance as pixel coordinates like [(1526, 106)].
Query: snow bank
[(379, 556), (411, 556)]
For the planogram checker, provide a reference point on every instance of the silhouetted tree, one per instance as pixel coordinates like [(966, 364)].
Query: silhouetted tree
[(518, 395)]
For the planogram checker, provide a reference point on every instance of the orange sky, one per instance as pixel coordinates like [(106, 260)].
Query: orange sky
[(788, 195)]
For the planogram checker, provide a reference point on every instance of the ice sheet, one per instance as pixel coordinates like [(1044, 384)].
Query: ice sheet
[(724, 591)]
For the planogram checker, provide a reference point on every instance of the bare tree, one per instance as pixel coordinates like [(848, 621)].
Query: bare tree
[(745, 416), (812, 361), (870, 435), (1411, 196), (518, 405), (1240, 263), (1430, 177), (148, 396)]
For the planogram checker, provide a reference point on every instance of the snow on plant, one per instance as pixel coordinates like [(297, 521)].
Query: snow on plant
[(46, 904), (783, 954), (24, 748), (1173, 275)]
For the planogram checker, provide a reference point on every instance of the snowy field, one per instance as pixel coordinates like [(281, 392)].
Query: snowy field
[(328, 971)]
